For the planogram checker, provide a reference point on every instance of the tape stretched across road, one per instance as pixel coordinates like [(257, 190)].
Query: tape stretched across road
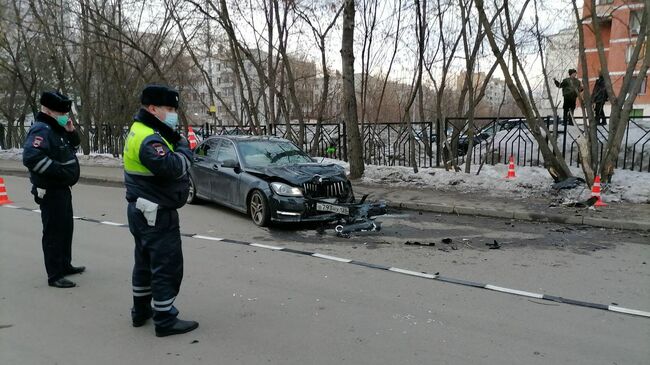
[(418, 274)]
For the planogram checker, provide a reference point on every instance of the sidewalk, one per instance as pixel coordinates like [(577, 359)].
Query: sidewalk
[(616, 215)]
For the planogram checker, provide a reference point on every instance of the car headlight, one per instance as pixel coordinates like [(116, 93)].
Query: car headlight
[(285, 190)]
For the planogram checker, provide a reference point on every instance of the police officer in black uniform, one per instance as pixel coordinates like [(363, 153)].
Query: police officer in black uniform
[(50, 155), (156, 163)]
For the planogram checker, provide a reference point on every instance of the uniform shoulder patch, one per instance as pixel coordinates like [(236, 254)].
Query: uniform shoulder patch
[(37, 141), (159, 148)]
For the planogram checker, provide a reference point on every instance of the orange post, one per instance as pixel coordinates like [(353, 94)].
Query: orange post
[(4, 198), (595, 192), (511, 168), (191, 137)]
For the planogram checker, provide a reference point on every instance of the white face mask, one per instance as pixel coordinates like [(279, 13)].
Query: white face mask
[(168, 118), (171, 119)]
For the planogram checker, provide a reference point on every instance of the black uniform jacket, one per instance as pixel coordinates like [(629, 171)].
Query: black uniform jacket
[(50, 154)]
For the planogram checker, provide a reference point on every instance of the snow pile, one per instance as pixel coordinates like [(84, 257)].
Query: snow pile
[(96, 159), (628, 186), (521, 143)]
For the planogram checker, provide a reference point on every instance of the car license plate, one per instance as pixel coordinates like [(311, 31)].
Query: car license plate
[(323, 207)]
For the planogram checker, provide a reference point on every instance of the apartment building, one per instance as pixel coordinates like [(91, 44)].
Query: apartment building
[(620, 22)]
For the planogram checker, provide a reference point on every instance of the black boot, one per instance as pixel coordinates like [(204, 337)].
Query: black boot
[(62, 283), (177, 328), (74, 270), (140, 319)]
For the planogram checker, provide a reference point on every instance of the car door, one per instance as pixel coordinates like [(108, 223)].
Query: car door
[(225, 184), (205, 157)]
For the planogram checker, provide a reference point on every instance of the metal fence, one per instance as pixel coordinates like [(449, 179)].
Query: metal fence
[(389, 144)]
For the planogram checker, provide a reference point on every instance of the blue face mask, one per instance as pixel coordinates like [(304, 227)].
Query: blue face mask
[(62, 120), (171, 120)]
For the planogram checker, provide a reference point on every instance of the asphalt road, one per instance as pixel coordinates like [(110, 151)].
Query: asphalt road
[(257, 306)]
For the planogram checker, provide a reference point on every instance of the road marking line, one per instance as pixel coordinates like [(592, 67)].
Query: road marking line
[(11, 206), (209, 238), (109, 223), (615, 308), (328, 257), (514, 291), (275, 248), (412, 273), (36, 210)]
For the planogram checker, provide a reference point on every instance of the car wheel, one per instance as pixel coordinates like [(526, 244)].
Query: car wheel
[(191, 197), (258, 208)]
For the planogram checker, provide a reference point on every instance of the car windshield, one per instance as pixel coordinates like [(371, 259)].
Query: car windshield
[(265, 153)]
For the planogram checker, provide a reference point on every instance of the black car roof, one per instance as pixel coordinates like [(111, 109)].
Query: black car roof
[(237, 138)]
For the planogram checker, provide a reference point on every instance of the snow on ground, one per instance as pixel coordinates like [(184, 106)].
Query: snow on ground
[(628, 186), (97, 159)]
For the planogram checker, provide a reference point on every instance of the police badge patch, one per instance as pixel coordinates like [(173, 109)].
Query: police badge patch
[(159, 149), (37, 141)]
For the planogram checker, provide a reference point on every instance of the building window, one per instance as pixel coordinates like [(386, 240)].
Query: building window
[(644, 84), (630, 52), (635, 21)]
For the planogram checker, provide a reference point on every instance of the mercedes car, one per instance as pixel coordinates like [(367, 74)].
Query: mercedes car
[(268, 178)]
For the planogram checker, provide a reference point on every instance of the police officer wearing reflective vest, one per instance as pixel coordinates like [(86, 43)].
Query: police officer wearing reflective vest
[(156, 163), (49, 153)]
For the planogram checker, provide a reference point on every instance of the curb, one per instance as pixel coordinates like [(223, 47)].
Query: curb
[(438, 208), (523, 215), (91, 180)]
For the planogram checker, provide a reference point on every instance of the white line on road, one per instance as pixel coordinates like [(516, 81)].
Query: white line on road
[(412, 273), (109, 223), (276, 248), (333, 258), (209, 238), (514, 291), (636, 312)]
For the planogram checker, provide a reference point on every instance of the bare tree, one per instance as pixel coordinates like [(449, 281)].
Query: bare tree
[(349, 95), (519, 85), (621, 101), (310, 17)]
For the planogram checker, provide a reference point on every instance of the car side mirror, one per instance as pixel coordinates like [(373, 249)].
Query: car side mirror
[(231, 164)]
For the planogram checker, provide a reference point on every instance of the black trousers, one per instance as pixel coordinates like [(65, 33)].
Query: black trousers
[(58, 225), (158, 268), (569, 106), (599, 109)]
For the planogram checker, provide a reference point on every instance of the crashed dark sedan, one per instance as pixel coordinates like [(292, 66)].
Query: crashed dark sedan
[(268, 178)]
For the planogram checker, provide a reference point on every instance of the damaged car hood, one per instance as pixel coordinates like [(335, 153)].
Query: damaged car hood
[(299, 174)]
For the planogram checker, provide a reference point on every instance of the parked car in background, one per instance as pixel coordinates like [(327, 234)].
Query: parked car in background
[(268, 178)]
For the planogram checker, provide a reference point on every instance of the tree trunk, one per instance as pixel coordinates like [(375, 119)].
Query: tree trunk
[(349, 98)]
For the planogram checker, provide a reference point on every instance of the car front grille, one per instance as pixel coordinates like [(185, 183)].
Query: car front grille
[(326, 189)]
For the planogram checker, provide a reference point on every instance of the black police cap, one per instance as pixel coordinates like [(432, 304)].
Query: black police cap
[(56, 101), (159, 95)]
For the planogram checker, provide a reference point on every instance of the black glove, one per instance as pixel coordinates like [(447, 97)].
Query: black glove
[(182, 143), (183, 146)]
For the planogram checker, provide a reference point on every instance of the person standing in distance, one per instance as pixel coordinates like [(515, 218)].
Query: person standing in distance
[(570, 86), (49, 153), (600, 98), (156, 163)]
